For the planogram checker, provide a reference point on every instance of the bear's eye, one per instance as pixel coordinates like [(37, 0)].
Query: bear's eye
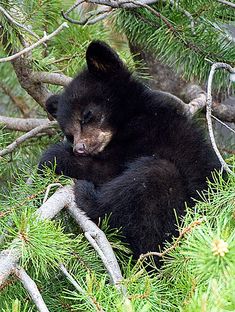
[(87, 117), (69, 138)]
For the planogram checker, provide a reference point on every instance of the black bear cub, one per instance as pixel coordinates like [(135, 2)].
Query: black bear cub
[(135, 154)]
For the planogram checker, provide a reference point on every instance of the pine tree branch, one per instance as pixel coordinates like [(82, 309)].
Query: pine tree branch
[(32, 133), (22, 124), (13, 21), (116, 4), (92, 300), (10, 257), (214, 67), (32, 289), (62, 198), (36, 44)]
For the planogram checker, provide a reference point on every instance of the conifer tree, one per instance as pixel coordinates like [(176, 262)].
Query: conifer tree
[(198, 268)]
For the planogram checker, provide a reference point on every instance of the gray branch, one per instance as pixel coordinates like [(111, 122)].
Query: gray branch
[(32, 289), (232, 5), (79, 288), (99, 242), (34, 45), (214, 67), (51, 78), (26, 136), (22, 124)]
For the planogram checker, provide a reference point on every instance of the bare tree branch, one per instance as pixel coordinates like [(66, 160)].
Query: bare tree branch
[(22, 124), (224, 112), (23, 68), (99, 241), (36, 44), (37, 90), (88, 20), (92, 300), (214, 67), (232, 5), (197, 100), (76, 4), (109, 6), (32, 289), (26, 136), (51, 78), (48, 190), (224, 124), (9, 259)]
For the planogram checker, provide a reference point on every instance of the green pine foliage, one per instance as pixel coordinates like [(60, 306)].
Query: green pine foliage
[(199, 272), (189, 50)]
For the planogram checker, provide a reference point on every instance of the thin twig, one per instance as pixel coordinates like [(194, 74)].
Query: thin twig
[(76, 4), (13, 21), (122, 3), (36, 44), (92, 300), (32, 289), (26, 136), (48, 190), (214, 67), (91, 239), (223, 123), (71, 279), (232, 5), (100, 15), (175, 244), (186, 13)]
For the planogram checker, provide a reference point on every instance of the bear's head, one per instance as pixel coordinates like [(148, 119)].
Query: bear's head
[(93, 105)]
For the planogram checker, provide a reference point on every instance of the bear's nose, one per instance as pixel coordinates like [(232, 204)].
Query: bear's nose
[(79, 149)]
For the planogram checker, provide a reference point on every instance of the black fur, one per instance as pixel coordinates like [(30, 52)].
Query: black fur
[(156, 160)]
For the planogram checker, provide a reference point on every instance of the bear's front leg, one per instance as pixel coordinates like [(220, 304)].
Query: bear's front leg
[(61, 157), (86, 197)]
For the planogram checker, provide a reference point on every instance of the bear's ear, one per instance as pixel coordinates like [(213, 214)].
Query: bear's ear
[(52, 104), (102, 60)]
